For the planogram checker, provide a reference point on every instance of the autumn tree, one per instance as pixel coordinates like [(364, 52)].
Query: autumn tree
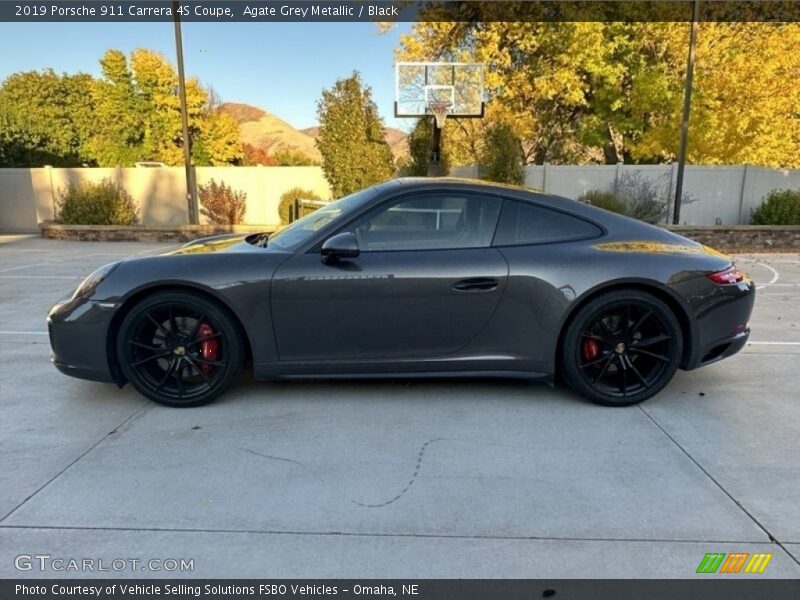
[(254, 156), (131, 113), (606, 91), (214, 135), (351, 140)]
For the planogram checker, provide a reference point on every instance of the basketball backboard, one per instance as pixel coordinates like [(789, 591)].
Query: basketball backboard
[(419, 85)]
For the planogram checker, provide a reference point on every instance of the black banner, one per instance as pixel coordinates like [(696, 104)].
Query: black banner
[(385, 589), (395, 11)]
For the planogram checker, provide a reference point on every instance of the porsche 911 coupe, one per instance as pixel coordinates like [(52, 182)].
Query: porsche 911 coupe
[(413, 278)]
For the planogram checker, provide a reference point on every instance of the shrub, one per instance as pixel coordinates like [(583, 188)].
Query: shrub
[(603, 199), (288, 199), (89, 203), (780, 207), (636, 196), (644, 198), (501, 158), (220, 204)]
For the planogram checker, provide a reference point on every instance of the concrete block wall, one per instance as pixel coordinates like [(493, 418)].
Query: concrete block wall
[(30, 196), (720, 195)]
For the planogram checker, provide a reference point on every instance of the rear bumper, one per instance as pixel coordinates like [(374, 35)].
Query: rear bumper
[(79, 339), (722, 318)]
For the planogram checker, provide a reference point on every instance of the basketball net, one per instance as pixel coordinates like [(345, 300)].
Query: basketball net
[(440, 110)]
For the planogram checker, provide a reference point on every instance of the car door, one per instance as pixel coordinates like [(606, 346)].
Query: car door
[(425, 283)]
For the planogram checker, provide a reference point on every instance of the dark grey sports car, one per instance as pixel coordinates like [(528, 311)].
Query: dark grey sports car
[(414, 277)]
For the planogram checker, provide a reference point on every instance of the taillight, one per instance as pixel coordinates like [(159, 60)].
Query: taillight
[(729, 275)]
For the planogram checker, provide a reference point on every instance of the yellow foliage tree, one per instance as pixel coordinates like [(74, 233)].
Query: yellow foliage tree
[(609, 92)]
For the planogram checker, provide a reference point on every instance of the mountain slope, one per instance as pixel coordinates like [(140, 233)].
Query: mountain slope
[(396, 139), (261, 129)]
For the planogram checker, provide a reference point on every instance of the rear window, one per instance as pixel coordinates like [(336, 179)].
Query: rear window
[(523, 223)]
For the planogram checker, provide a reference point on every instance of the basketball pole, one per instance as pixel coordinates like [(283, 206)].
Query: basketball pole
[(191, 198), (435, 159), (687, 106)]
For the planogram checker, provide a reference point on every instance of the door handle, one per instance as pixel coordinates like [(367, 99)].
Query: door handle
[(476, 284)]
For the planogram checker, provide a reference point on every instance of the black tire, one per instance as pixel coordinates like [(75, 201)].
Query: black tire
[(621, 348), (180, 348)]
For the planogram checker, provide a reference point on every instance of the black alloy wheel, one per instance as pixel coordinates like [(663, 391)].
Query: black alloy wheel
[(180, 349), (622, 348)]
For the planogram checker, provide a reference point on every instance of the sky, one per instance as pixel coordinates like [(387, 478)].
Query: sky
[(280, 67)]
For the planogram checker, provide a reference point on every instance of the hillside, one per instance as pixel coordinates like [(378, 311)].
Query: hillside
[(264, 130), (396, 139)]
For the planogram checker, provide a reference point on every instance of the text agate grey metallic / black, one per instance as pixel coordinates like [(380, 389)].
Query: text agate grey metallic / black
[(414, 277)]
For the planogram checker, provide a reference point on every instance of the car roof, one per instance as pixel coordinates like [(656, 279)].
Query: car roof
[(432, 182), (478, 185)]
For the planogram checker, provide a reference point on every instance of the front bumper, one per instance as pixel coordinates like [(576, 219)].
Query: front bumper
[(79, 344)]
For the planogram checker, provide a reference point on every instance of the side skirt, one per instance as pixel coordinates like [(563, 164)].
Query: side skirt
[(266, 371)]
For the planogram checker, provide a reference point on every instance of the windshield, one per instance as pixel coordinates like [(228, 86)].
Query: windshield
[(303, 229)]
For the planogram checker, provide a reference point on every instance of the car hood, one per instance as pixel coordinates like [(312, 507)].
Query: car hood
[(220, 243)]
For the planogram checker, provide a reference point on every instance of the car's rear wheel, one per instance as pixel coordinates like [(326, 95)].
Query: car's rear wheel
[(621, 348), (180, 349)]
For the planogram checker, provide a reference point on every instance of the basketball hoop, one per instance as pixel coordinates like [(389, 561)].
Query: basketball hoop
[(441, 90), (440, 110)]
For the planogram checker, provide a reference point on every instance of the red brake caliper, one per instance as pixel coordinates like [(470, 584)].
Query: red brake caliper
[(590, 349), (209, 349)]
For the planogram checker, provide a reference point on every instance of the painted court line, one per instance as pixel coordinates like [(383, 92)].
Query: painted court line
[(23, 333), (773, 281), (748, 343), (24, 267), (71, 277)]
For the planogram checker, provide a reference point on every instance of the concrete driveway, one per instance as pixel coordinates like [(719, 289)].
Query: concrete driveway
[(392, 478)]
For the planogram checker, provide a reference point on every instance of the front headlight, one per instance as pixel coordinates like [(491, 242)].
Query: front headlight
[(89, 284)]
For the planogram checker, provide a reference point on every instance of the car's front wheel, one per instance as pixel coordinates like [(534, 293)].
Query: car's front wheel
[(621, 348), (180, 349)]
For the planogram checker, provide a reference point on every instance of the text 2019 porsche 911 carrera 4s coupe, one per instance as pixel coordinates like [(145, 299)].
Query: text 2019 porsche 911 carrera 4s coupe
[(413, 277)]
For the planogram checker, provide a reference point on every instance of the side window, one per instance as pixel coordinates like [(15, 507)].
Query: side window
[(430, 222), (523, 223)]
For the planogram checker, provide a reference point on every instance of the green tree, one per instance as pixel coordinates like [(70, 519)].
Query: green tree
[(419, 149), (501, 158), (118, 135), (351, 140), (44, 119)]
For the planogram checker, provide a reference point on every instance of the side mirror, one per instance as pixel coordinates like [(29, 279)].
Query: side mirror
[(342, 245)]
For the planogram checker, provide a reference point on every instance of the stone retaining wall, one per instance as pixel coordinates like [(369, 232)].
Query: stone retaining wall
[(138, 233), (740, 238)]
